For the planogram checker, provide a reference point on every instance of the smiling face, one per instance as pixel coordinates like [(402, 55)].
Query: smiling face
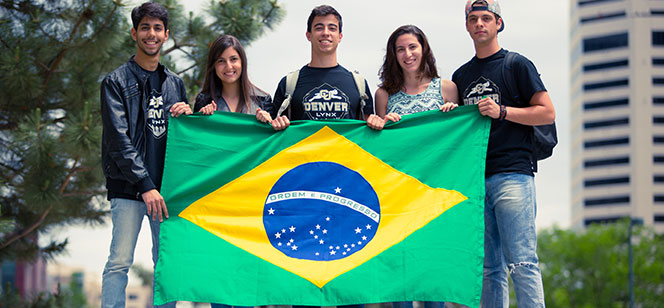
[(325, 35), (150, 35), (409, 52), (228, 66), (482, 26)]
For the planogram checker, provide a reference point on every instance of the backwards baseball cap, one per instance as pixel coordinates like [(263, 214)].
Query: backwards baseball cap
[(485, 5)]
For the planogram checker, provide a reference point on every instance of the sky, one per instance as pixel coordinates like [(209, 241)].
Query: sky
[(539, 30)]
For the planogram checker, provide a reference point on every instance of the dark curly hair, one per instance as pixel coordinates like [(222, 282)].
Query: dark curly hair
[(149, 9), (390, 73)]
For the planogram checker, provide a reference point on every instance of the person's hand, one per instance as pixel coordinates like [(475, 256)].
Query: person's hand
[(280, 123), (180, 108), (155, 204), (449, 106), (394, 117), (488, 107), (209, 108), (375, 122)]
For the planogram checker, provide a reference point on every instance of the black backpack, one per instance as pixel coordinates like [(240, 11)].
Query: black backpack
[(545, 136)]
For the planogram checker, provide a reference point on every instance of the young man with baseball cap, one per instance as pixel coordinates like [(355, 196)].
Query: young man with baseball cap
[(510, 241)]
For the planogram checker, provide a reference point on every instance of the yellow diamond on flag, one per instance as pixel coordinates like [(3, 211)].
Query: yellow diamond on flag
[(320, 208)]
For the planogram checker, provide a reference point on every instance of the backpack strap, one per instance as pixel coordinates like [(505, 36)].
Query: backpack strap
[(508, 76), (291, 81), (360, 83)]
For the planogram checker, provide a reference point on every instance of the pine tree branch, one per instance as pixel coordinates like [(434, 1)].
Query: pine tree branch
[(103, 26), (274, 7), (15, 236), (4, 42), (83, 193), (188, 68), (179, 47), (63, 51), (72, 172)]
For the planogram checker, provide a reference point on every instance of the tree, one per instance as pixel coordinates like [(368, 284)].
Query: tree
[(590, 268), (53, 56)]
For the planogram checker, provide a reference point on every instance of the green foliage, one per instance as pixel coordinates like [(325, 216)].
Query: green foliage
[(590, 268), (144, 274), (53, 54), (62, 298), (191, 36)]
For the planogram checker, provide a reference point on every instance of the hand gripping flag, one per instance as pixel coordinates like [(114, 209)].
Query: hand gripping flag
[(325, 212)]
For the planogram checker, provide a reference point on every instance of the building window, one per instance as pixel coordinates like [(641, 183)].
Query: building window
[(606, 104), (606, 42), (658, 120), (604, 220), (601, 17), (606, 123), (658, 178), (658, 198), (605, 65), (658, 159), (658, 139), (658, 38), (586, 2), (618, 200), (606, 142), (659, 218), (605, 84), (657, 81), (591, 163), (658, 100), (606, 181)]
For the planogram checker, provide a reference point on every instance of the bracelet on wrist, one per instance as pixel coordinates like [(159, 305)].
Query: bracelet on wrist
[(503, 112)]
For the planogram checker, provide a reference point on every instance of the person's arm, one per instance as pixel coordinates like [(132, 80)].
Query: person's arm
[(450, 94), (377, 121), (540, 112), (182, 106), (116, 128), (265, 116)]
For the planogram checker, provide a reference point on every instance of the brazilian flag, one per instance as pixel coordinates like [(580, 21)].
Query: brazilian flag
[(325, 212)]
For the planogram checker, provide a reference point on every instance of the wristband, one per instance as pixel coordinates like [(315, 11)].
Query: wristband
[(503, 113)]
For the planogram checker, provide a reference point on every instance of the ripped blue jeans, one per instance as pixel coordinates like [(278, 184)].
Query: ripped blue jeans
[(510, 242)]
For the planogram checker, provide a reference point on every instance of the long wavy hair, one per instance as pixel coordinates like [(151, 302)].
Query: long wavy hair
[(212, 85), (391, 74)]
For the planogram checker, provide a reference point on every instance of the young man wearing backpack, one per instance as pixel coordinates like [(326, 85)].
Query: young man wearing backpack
[(322, 89), (510, 241)]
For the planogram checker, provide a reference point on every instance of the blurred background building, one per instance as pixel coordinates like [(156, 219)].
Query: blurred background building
[(617, 111)]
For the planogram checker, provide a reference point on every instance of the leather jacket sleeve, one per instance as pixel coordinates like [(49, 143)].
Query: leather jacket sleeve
[(121, 151)]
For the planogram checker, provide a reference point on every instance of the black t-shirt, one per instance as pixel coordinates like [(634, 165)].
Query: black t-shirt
[(156, 122), (510, 144), (323, 94)]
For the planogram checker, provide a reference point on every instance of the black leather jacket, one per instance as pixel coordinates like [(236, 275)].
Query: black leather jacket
[(123, 106)]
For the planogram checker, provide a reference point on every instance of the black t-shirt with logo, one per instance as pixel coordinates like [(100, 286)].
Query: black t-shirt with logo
[(156, 121), (510, 143), (324, 94)]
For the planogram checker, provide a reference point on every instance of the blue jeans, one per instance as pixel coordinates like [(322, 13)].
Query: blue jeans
[(510, 242), (424, 304), (127, 217)]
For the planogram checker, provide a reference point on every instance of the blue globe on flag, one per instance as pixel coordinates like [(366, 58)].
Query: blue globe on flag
[(321, 211)]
